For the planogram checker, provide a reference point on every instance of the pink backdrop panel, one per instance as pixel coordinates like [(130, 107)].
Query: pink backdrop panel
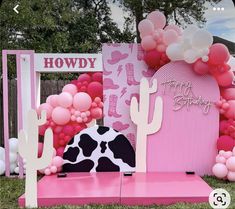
[(187, 138)]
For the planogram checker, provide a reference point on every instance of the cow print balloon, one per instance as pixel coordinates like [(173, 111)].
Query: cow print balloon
[(100, 149)]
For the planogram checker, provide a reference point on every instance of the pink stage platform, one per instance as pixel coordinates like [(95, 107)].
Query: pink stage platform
[(114, 188)]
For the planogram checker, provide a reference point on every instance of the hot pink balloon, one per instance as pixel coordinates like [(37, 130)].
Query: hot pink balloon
[(225, 79), (176, 28), (228, 93), (170, 36), (57, 161), (230, 113), (145, 27), (61, 115), (157, 18), (54, 100), (200, 67), (70, 88), (60, 151), (48, 108), (68, 130), (220, 170), (65, 99), (82, 101), (218, 54), (148, 43), (96, 113)]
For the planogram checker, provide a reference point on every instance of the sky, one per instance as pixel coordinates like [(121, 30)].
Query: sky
[(220, 23)]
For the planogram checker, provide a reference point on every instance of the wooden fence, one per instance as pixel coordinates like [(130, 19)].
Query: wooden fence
[(48, 87)]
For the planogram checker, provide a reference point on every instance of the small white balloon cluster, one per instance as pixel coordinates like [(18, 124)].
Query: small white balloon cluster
[(13, 157), (193, 44)]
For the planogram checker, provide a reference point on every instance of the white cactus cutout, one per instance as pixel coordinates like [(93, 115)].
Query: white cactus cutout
[(140, 116), (28, 149)]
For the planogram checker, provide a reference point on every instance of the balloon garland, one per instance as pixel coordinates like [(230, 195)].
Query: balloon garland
[(80, 102), (164, 43)]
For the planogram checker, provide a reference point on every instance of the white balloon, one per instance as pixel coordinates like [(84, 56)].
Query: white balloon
[(175, 52), (13, 157), (189, 31), (202, 39), (2, 153), (12, 167), (16, 170), (2, 167), (190, 56), (186, 44), (13, 145)]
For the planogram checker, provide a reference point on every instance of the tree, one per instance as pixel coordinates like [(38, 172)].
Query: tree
[(179, 11)]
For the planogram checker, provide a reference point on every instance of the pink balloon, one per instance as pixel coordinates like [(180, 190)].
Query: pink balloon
[(61, 115), (68, 130), (218, 54), (170, 36), (220, 170), (48, 108), (96, 113), (53, 169), (48, 100), (82, 101), (161, 47), (65, 99), (225, 79), (47, 171), (230, 113), (176, 28), (148, 43), (201, 67), (227, 154), (157, 18), (231, 176), (220, 159), (228, 93), (57, 161), (54, 100), (231, 163), (145, 27), (70, 88)]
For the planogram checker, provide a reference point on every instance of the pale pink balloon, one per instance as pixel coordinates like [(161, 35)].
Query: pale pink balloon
[(57, 161), (61, 115), (157, 18), (231, 176), (53, 169), (176, 28), (145, 27), (220, 170), (48, 100), (228, 93), (227, 154), (148, 43), (54, 100), (230, 163), (230, 113), (170, 36), (82, 101), (225, 79), (161, 47), (47, 107), (70, 88), (65, 99), (233, 151), (47, 171), (220, 159), (200, 67)]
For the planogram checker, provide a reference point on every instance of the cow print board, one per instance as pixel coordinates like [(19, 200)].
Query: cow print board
[(99, 149)]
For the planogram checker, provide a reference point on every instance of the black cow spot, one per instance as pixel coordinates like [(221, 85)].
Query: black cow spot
[(122, 148), (83, 166), (71, 154), (103, 146), (106, 165), (87, 144), (102, 130), (71, 141)]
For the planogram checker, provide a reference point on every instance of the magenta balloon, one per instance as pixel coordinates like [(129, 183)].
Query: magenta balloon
[(82, 101), (65, 99), (201, 67), (220, 170), (176, 28), (148, 43), (47, 107), (157, 18), (225, 79), (170, 36), (218, 54), (230, 113), (68, 130), (145, 27), (61, 115), (70, 88), (228, 93)]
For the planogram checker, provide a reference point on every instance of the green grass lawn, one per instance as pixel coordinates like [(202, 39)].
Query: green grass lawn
[(11, 189)]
